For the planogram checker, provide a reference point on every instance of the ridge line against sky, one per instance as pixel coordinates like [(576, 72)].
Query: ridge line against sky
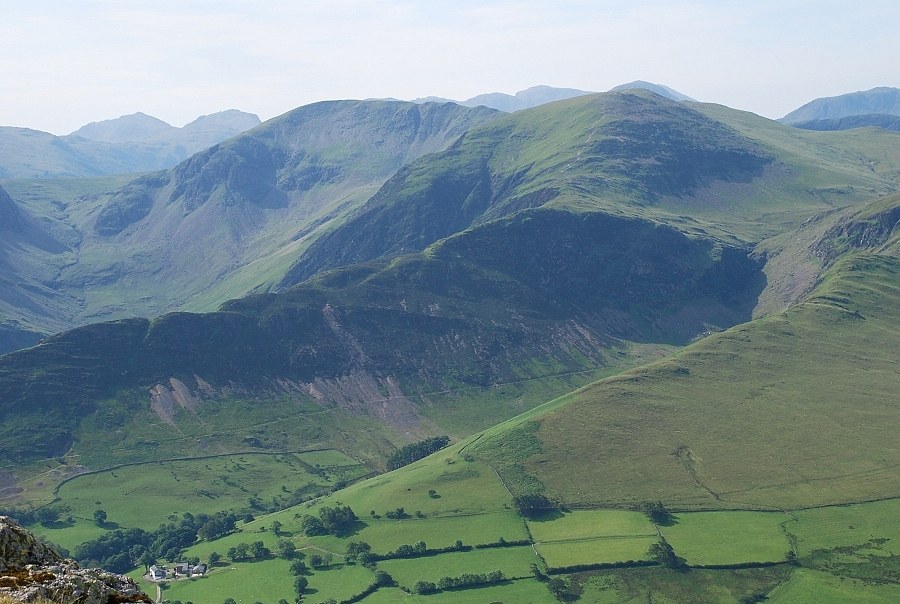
[(68, 63)]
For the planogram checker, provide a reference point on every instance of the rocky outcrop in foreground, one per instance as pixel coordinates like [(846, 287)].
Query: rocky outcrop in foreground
[(31, 571)]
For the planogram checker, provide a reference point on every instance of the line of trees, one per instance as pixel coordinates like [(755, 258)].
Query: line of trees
[(461, 582)]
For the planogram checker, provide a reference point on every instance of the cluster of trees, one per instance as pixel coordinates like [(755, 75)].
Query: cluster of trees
[(460, 582), (531, 505), (415, 451), (45, 515), (359, 551), (248, 551), (336, 520), (657, 512), (123, 549)]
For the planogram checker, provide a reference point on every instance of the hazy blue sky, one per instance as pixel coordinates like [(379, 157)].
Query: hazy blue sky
[(66, 63)]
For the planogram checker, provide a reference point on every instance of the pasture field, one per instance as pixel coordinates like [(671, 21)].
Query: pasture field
[(385, 535), (522, 591), (730, 537), (514, 562), (848, 526), (205, 485), (245, 582), (69, 534), (605, 550), (588, 524), (664, 586), (460, 487), (807, 586)]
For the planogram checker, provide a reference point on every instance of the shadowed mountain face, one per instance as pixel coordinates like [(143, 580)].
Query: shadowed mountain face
[(10, 218), (493, 304), (870, 120)]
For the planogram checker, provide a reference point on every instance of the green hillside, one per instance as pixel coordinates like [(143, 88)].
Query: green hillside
[(490, 306), (807, 394), (700, 168)]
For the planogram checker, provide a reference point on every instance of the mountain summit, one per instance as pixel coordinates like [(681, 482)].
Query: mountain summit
[(657, 88)]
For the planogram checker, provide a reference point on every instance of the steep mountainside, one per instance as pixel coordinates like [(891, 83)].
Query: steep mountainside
[(526, 297), (229, 219), (881, 100), (24, 294)]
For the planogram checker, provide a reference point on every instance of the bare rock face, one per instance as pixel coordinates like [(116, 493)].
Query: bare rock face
[(31, 570)]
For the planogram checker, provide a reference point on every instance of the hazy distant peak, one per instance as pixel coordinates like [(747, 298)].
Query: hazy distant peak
[(230, 119), (524, 99), (657, 88), (128, 128), (882, 100)]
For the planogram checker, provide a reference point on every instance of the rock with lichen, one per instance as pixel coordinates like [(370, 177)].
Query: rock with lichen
[(31, 571)]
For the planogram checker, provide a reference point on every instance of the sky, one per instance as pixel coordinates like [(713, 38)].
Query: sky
[(66, 63)]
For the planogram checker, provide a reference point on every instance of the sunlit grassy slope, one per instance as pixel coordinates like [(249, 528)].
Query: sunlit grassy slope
[(795, 409)]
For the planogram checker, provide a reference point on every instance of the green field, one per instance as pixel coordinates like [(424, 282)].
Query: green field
[(385, 535), (210, 485), (664, 586), (523, 591), (246, 583), (514, 562), (608, 550), (726, 538), (848, 526), (460, 486), (587, 524), (813, 587)]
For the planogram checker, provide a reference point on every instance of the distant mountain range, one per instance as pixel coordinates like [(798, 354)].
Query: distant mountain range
[(539, 95), (868, 107), (129, 144)]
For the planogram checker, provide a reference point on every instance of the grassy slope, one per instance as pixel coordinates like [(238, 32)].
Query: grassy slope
[(806, 394)]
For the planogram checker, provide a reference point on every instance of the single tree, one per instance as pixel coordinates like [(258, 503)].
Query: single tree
[(557, 586), (99, 517)]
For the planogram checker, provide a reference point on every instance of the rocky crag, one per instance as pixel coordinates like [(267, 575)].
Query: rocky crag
[(31, 571)]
